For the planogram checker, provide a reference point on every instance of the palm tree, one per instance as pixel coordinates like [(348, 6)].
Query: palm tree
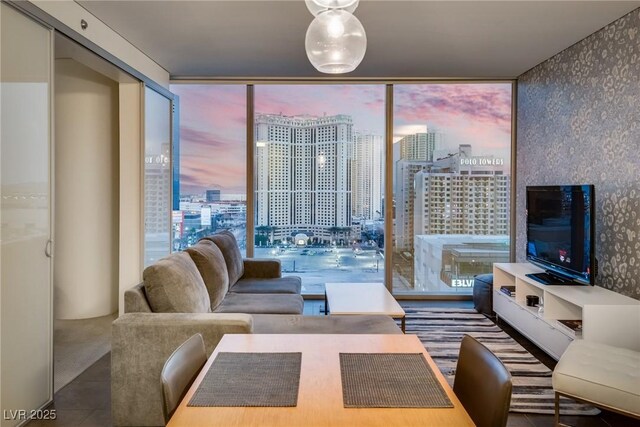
[(271, 229), (261, 230)]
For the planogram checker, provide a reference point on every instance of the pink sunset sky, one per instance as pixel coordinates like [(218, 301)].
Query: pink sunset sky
[(213, 120)]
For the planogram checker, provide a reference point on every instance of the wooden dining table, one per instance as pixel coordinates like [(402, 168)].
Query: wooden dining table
[(320, 398)]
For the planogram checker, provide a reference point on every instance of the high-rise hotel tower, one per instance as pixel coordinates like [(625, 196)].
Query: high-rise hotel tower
[(368, 174), (303, 174), (421, 146)]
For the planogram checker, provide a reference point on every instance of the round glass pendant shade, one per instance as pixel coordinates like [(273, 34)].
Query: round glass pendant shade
[(335, 42), (318, 6)]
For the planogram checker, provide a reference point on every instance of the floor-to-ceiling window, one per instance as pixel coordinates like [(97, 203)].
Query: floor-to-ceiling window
[(319, 181), (213, 163), (451, 181)]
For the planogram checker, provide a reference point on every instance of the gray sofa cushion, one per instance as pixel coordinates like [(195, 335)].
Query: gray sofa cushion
[(261, 304), (228, 245), (174, 285), (334, 324), (213, 269), (262, 268), (280, 285), (135, 300)]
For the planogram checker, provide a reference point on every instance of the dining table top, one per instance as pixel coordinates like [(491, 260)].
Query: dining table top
[(320, 397)]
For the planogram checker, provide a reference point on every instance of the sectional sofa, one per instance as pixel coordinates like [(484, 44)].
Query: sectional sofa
[(208, 289), (213, 277)]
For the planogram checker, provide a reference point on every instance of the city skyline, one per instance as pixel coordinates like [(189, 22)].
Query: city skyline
[(213, 117), (308, 155)]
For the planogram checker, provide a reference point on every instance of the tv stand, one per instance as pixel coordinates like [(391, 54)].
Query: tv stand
[(549, 278), (607, 317)]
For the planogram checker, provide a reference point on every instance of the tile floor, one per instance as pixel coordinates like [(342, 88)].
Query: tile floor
[(86, 401), (77, 345)]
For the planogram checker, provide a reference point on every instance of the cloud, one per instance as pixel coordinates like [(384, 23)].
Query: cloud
[(201, 174), (364, 103), (190, 138), (213, 119), (466, 113), (212, 137), (445, 104)]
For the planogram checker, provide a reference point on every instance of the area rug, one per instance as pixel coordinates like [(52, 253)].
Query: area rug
[(441, 331)]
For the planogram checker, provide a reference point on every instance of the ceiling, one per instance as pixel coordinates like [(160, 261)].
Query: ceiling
[(428, 39)]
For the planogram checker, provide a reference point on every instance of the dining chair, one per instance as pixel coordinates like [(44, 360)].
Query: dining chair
[(179, 371), (483, 384)]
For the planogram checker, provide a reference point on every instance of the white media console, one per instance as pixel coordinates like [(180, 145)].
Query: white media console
[(607, 317)]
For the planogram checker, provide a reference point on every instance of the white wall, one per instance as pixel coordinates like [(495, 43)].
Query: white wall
[(131, 195), (86, 192)]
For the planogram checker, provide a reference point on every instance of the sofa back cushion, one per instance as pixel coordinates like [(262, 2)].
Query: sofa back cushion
[(136, 301), (226, 242), (213, 269), (174, 285)]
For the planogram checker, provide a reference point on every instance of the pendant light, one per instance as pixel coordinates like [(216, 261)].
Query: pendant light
[(335, 41)]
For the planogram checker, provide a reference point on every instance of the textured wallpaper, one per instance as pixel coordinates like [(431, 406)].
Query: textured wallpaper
[(579, 123)]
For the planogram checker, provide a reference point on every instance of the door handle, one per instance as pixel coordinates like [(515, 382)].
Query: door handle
[(47, 248)]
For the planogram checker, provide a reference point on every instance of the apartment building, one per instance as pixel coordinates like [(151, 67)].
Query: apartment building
[(405, 197), (421, 145), (452, 203), (367, 176), (416, 154)]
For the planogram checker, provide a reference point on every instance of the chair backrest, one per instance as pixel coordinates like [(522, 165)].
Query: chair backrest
[(179, 371), (483, 384)]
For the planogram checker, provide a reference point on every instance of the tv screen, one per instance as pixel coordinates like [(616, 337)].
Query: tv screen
[(561, 230)]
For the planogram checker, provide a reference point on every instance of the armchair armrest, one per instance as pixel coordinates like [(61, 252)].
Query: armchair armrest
[(142, 342), (257, 268)]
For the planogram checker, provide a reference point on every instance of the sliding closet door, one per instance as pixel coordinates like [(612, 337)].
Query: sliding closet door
[(25, 209)]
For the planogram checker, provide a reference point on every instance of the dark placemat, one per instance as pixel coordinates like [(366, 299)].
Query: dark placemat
[(250, 379), (390, 380)]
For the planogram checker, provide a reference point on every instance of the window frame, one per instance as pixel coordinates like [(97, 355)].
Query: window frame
[(388, 144)]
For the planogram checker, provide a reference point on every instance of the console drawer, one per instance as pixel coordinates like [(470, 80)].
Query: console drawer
[(516, 315), (553, 340)]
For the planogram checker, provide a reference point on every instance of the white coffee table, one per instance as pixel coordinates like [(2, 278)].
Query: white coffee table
[(362, 298)]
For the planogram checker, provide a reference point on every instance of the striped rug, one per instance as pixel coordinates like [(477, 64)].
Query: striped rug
[(441, 331)]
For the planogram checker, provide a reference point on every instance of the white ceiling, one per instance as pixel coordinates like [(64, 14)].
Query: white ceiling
[(465, 39)]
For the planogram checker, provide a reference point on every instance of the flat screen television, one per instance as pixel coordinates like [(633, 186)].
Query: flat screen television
[(561, 233)]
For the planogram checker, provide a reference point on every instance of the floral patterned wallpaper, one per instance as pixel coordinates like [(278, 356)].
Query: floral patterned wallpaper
[(579, 123)]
